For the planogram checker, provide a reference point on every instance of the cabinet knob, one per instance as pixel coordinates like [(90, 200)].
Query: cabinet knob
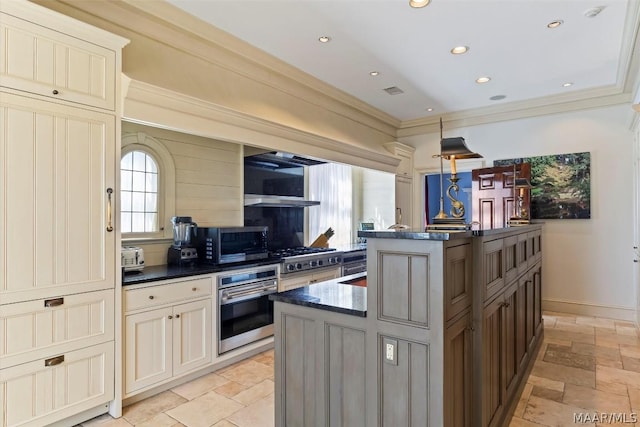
[(470, 328), (506, 304), (55, 92), (177, 316), (151, 297), (194, 289), (170, 317)]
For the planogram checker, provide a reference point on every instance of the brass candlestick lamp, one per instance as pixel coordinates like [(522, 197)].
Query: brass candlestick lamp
[(451, 149), (521, 214)]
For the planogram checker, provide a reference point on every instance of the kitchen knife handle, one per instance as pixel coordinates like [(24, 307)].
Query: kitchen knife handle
[(109, 210)]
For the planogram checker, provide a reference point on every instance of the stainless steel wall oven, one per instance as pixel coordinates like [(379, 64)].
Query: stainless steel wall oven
[(245, 313)]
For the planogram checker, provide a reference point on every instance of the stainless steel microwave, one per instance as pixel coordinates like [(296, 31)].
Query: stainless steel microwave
[(224, 245)]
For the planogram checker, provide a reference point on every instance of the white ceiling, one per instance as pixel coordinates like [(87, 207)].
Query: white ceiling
[(410, 48)]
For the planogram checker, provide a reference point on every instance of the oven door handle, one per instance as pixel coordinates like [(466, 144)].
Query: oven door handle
[(227, 296)]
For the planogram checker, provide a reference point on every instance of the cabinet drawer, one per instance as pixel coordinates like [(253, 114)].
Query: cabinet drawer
[(36, 329), (152, 296), (50, 63), (34, 394)]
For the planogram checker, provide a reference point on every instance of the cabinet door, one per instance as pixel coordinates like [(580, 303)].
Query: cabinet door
[(47, 62), (148, 349), (44, 391), (537, 299), (511, 361), (404, 190), (57, 164), (493, 373), (530, 309), (458, 359), (191, 336), (36, 329)]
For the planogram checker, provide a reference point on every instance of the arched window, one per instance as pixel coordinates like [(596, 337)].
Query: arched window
[(147, 188), (139, 195)]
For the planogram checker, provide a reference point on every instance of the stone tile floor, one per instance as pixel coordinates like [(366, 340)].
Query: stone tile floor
[(587, 373)]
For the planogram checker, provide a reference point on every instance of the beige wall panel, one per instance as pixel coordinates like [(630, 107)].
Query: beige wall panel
[(223, 76), (209, 182)]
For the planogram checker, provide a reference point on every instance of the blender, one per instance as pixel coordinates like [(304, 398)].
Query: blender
[(182, 253)]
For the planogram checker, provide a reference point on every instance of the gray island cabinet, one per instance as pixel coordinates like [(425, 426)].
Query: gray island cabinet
[(443, 333)]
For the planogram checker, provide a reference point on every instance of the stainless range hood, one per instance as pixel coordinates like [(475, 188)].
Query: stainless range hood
[(269, 201), (276, 180)]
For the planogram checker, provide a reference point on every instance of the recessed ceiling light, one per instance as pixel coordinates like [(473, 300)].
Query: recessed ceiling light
[(555, 24), (429, 109), (374, 73), (458, 50), (483, 79), (324, 39), (497, 97), (418, 3), (567, 84)]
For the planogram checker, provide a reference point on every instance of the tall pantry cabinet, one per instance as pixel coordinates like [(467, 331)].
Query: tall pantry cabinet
[(59, 153)]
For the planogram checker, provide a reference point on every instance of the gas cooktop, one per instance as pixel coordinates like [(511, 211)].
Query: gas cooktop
[(302, 250), (307, 258)]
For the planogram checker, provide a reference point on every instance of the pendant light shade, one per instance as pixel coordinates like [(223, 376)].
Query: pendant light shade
[(456, 147)]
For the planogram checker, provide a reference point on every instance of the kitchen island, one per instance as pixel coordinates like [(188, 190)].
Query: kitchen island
[(452, 322)]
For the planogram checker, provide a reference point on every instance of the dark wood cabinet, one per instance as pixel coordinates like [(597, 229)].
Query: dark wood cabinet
[(493, 358), (458, 357), (508, 306)]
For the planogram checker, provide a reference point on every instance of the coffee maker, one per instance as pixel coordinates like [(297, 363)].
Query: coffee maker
[(182, 253)]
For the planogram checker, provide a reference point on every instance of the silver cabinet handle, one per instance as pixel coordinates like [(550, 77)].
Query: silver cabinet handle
[(54, 361), (53, 302), (109, 211)]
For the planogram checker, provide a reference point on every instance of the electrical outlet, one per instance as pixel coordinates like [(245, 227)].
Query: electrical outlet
[(390, 348), (390, 351)]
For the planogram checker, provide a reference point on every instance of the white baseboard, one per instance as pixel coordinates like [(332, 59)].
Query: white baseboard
[(587, 309)]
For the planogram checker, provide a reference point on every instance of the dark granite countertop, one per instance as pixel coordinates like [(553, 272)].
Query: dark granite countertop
[(351, 247), (332, 295), (415, 234), (420, 234), (162, 272)]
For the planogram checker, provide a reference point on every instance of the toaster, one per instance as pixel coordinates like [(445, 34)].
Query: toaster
[(132, 258)]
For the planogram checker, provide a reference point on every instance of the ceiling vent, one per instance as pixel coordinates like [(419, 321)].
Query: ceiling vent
[(393, 90)]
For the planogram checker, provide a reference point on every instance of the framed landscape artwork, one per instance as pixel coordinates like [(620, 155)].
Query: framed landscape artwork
[(560, 185)]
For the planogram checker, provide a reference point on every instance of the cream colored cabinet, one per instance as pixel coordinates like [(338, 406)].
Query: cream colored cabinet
[(168, 340), (48, 390), (404, 181), (59, 152), (404, 205), (40, 60), (55, 211), (35, 329), (298, 280)]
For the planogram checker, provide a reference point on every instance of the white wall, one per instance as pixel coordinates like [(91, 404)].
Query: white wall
[(587, 264)]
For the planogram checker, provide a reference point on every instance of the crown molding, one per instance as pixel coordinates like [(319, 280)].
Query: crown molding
[(518, 110), (152, 105), (163, 22)]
